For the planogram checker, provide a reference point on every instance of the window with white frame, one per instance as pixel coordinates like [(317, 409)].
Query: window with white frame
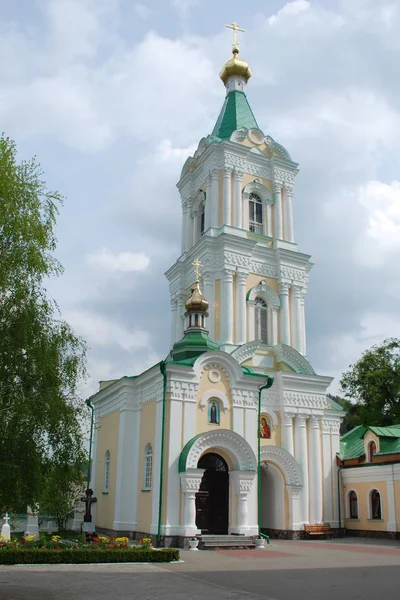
[(375, 506), (202, 218), (371, 451), (148, 467), (107, 464), (255, 214), (261, 320), (353, 505)]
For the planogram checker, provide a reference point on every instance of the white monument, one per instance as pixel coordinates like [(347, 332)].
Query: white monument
[(6, 530), (32, 525)]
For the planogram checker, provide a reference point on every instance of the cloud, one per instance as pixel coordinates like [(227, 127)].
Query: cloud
[(144, 12), (123, 262), (183, 7), (291, 9)]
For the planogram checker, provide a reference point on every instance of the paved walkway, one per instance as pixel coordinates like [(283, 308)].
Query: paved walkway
[(287, 570)]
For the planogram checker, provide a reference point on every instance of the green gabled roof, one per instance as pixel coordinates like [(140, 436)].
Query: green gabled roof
[(192, 345), (352, 443), (235, 114)]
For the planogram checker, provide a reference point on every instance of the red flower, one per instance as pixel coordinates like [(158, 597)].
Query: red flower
[(57, 548)]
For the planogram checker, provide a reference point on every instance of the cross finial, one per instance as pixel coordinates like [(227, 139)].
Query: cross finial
[(197, 268), (6, 518), (235, 28)]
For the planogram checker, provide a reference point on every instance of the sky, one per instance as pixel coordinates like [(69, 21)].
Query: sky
[(112, 96)]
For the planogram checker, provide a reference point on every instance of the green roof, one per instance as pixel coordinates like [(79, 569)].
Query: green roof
[(192, 345), (352, 443), (235, 114)]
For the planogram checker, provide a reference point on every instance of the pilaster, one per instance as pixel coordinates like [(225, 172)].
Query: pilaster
[(237, 208), (241, 278), (301, 455), (288, 212), (226, 310), (214, 197), (315, 467), (285, 315), (277, 193)]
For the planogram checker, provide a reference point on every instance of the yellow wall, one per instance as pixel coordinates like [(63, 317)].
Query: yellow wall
[(147, 434), (363, 490), (222, 386), (107, 439)]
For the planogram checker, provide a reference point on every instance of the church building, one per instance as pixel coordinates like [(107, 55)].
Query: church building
[(233, 433)]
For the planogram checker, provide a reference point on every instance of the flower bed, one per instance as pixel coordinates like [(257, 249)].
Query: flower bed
[(80, 551)]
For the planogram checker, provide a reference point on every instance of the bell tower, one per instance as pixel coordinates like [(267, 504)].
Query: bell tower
[(237, 193)]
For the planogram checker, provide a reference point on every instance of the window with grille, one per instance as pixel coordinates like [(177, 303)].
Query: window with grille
[(261, 320), (375, 502), (107, 464), (353, 505), (148, 467), (255, 214)]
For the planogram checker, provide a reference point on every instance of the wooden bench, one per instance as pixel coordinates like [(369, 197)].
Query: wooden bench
[(318, 529)]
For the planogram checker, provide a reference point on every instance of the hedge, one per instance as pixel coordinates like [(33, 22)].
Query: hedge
[(32, 556)]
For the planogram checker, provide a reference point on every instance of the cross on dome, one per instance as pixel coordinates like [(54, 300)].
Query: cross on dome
[(235, 28), (197, 266)]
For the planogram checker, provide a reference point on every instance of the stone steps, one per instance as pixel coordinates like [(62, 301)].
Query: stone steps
[(213, 542)]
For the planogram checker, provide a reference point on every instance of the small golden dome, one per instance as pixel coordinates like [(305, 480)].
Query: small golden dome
[(235, 66), (196, 300)]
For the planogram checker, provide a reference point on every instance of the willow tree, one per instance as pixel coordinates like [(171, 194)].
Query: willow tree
[(41, 359)]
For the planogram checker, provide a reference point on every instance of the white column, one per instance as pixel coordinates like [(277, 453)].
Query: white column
[(301, 455), (174, 449), (241, 279), (274, 339), (285, 315), (295, 507), (328, 465), (245, 212), (189, 229), (303, 325), (335, 447), (214, 197), (226, 196), (251, 322), (190, 483), (226, 310), (126, 488), (314, 444), (391, 524), (184, 227), (277, 211), (237, 199), (208, 205), (242, 482), (269, 220), (287, 433), (179, 318), (209, 296), (173, 321), (157, 464), (288, 213), (296, 319)]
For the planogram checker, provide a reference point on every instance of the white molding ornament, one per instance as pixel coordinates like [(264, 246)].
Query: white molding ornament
[(245, 352), (265, 290), (239, 451), (304, 400), (293, 358), (214, 394), (285, 461)]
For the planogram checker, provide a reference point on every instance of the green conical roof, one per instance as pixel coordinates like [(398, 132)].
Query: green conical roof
[(193, 344), (235, 114)]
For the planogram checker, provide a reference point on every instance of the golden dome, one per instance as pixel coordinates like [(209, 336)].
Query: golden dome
[(196, 300), (235, 66)]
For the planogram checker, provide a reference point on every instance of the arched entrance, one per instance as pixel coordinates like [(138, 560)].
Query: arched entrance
[(212, 499)]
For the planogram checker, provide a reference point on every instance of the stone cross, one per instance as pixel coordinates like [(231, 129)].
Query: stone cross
[(5, 530), (235, 28)]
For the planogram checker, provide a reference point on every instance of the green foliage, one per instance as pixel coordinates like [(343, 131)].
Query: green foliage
[(62, 491), (352, 416), (41, 360), (374, 384), (70, 555)]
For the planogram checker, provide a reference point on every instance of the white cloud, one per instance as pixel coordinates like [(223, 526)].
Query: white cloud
[(291, 9), (183, 7), (122, 262), (144, 12)]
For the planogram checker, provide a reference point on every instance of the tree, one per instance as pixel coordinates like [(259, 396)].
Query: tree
[(352, 417), (41, 359), (62, 491), (374, 383)]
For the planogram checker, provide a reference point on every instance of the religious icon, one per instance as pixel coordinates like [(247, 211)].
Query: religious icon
[(213, 412), (265, 427)]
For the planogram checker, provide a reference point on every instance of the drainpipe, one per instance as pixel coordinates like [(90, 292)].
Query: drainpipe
[(89, 471), (265, 386), (163, 369), (339, 499)]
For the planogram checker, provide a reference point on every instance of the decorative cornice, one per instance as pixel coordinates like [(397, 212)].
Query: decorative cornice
[(245, 352), (238, 449), (293, 358), (304, 400), (285, 461), (265, 290)]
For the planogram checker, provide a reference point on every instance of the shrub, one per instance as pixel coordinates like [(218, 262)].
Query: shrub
[(29, 556)]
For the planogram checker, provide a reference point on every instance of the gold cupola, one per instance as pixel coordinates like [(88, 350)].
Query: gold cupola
[(196, 300), (235, 67)]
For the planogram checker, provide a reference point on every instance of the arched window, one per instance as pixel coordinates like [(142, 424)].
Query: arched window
[(375, 505), (255, 213), (148, 467), (202, 218), (371, 451), (107, 464), (214, 411), (353, 505), (261, 320)]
